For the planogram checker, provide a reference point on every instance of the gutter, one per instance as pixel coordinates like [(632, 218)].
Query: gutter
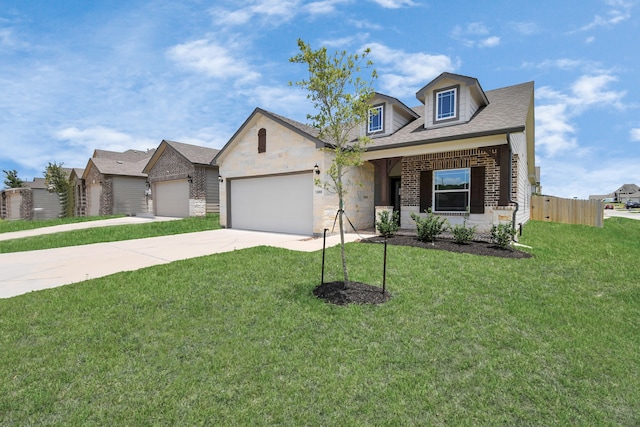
[(515, 211)]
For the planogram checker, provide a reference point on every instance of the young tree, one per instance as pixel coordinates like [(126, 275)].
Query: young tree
[(56, 180), (11, 179), (341, 98)]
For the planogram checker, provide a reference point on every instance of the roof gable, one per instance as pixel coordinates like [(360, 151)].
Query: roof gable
[(193, 154), (443, 78), (306, 131)]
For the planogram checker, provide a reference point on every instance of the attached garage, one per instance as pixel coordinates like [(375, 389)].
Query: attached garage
[(128, 195), (280, 203), (171, 198), (14, 200), (93, 199)]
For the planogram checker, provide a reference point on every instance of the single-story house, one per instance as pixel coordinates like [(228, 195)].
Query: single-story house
[(113, 183), (182, 180), (32, 201), (461, 152), (79, 192)]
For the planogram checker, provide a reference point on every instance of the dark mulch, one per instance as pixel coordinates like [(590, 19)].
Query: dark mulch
[(354, 293), (475, 247)]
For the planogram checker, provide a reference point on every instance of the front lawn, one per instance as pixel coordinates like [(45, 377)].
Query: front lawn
[(111, 234), (7, 226), (238, 339)]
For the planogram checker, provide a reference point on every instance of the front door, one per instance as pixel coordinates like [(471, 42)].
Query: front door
[(394, 188)]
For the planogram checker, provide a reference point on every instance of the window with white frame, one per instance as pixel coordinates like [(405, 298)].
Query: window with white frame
[(446, 104), (451, 190), (376, 119)]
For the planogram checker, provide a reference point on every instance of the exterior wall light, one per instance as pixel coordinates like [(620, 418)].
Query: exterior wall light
[(189, 178), (316, 169), (220, 179)]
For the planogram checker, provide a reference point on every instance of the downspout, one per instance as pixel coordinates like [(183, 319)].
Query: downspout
[(515, 211)]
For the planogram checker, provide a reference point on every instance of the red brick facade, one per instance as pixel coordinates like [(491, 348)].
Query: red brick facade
[(484, 156)]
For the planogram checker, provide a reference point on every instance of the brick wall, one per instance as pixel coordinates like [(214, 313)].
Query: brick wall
[(484, 156)]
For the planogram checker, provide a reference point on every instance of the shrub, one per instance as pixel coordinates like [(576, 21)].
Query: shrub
[(387, 225), (502, 234), (463, 234), (430, 226)]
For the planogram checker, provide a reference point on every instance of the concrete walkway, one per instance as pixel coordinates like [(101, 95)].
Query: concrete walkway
[(23, 272)]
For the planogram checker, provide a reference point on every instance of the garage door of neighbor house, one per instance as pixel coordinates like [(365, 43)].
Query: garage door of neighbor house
[(128, 195), (282, 203), (93, 199), (46, 205), (171, 198), (14, 201)]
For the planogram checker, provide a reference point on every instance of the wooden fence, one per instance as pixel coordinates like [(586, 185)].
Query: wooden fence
[(567, 211)]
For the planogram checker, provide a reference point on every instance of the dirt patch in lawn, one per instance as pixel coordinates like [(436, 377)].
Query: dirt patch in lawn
[(360, 293)]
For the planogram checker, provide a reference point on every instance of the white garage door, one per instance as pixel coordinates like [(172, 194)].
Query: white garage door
[(282, 203), (93, 199), (171, 198)]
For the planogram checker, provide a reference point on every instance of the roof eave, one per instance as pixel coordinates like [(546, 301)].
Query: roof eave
[(448, 138)]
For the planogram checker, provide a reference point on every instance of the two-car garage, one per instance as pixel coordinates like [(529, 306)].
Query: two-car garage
[(275, 203)]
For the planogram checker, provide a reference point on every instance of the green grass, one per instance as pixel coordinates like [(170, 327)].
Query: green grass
[(7, 226), (111, 234), (239, 339)]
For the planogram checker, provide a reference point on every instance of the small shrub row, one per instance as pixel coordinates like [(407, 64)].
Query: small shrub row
[(431, 226)]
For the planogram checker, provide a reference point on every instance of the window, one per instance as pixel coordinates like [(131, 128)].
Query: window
[(446, 104), (376, 119), (451, 190), (262, 140)]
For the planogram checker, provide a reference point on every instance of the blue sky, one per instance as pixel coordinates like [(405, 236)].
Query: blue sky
[(79, 75)]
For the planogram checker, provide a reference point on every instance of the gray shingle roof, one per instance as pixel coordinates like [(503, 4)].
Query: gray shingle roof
[(507, 111), (194, 153), (119, 167), (129, 155)]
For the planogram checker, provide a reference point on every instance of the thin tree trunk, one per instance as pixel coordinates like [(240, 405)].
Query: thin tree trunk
[(341, 224)]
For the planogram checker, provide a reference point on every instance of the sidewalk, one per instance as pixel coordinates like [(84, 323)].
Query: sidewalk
[(24, 272)]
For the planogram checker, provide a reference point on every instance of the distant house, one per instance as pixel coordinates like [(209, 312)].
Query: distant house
[(182, 180), (626, 192), (79, 193), (462, 151), (114, 183), (32, 201)]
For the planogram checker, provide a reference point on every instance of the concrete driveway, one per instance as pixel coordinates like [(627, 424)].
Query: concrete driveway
[(631, 214), (23, 272)]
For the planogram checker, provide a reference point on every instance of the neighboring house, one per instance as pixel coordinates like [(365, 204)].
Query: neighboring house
[(461, 151), (182, 180), (32, 201), (626, 193), (79, 192), (634, 197), (113, 183)]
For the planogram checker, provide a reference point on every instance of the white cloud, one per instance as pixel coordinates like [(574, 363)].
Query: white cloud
[(403, 74), (492, 41), (103, 138), (554, 131), (474, 34), (271, 12), (619, 12), (635, 134), (213, 60), (524, 28), (394, 4)]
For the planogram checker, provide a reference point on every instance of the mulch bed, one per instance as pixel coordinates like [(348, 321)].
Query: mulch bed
[(474, 247), (360, 293)]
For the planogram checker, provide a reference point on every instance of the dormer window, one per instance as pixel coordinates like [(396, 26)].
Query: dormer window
[(446, 102), (376, 119)]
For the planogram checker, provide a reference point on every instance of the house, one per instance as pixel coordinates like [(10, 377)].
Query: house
[(114, 183), (32, 201), (462, 152), (79, 192), (626, 193), (182, 180)]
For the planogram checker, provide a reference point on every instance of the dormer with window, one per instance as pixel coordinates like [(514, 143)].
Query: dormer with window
[(387, 115), (451, 99)]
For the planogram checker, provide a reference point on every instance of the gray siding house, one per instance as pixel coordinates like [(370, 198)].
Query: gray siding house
[(182, 180)]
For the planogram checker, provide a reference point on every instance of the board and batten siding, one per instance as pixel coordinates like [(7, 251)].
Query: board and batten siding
[(522, 184), (213, 191), (129, 195), (46, 205)]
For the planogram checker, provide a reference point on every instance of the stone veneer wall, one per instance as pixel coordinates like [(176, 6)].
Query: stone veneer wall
[(26, 206)]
